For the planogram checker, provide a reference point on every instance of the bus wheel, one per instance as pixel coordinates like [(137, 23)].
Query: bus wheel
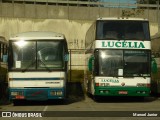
[(63, 101), (96, 98), (141, 98), (16, 102), (89, 95)]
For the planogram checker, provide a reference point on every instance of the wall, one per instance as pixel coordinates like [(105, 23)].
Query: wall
[(74, 30), (73, 21)]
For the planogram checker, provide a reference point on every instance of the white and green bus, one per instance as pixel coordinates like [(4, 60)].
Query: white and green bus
[(37, 66), (118, 56)]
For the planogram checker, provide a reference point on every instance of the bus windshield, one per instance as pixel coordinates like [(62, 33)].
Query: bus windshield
[(122, 30), (36, 55), (132, 63)]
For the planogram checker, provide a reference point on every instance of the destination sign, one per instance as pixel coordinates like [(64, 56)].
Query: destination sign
[(123, 44)]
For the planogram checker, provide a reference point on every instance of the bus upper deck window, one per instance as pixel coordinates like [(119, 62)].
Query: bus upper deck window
[(111, 35)]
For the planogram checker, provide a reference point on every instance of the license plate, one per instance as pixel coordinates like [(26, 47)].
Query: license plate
[(123, 92)]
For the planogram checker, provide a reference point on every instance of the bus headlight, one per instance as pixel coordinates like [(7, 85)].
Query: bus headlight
[(59, 92), (143, 85), (15, 93), (54, 93), (103, 84)]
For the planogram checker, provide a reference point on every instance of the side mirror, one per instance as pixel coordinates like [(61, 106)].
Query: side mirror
[(90, 63), (5, 58), (66, 57), (154, 66)]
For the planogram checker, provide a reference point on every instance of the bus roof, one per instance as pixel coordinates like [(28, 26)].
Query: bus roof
[(34, 35), (122, 18)]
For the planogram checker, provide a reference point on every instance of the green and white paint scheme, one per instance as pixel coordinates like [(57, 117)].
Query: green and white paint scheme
[(118, 65)]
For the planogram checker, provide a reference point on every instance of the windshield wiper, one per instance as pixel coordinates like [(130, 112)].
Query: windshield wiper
[(144, 76), (45, 65), (29, 66)]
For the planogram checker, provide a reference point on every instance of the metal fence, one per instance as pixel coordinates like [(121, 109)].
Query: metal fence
[(89, 3), (77, 9), (92, 3)]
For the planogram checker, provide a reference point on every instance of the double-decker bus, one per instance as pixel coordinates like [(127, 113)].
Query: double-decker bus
[(118, 54), (37, 66)]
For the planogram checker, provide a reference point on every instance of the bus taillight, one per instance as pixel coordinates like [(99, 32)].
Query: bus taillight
[(148, 85), (97, 84)]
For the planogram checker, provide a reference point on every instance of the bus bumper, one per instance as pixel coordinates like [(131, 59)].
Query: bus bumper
[(37, 93), (122, 91)]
